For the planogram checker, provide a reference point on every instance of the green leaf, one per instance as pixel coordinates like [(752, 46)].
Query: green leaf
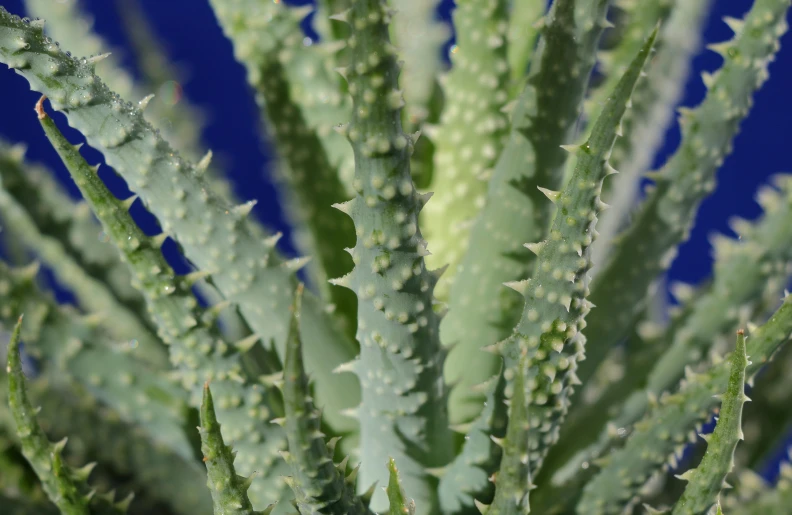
[(649, 246), (97, 433), (181, 121), (471, 132), (62, 485), (91, 293), (773, 501), (420, 36), (319, 485), (215, 236), (399, 505), (467, 478), (158, 93), (706, 481), (21, 506), (59, 217), (403, 411), (654, 100), (308, 180), (67, 23), (197, 349), (661, 434), (525, 23), (73, 343), (229, 491), (547, 342), (481, 310), (746, 271)]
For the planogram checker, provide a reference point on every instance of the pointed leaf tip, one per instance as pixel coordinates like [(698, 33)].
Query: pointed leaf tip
[(203, 164), (396, 496), (244, 209), (535, 247), (245, 344), (144, 102), (41, 113), (98, 58), (520, 287), (272, 241), (550, 194), (297, 264), (344, 207), (735, 24), (343, 16)]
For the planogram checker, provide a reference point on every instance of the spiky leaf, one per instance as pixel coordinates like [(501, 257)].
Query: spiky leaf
[(319, 485), (706, 481), (471, 132), (662, 433), (481, 310), (547, 343), (229, 491), (65, 488), (399, 504), (214, 235), (197, 349), (647, 249)]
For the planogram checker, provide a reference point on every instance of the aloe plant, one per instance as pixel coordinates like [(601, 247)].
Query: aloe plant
[(374, 383)]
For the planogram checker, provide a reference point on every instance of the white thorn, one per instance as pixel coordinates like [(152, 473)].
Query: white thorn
[(128, 202), (159, 239), (97, 58), (535, 247), (244, 209), (708, 79), (296, 264), (344, 281), (343, 16), (519, 286), (245, 344), (735, 24), (342, 71), (332, 47), (550, 194), (145, 102), (349, 366), (271, 241), (423, 198), (194, 277), (344, 207), (203, 164)]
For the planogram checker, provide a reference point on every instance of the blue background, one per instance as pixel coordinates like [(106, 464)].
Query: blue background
[(217, 85)]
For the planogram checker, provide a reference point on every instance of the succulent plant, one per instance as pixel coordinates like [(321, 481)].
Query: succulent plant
[(377, 376)]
